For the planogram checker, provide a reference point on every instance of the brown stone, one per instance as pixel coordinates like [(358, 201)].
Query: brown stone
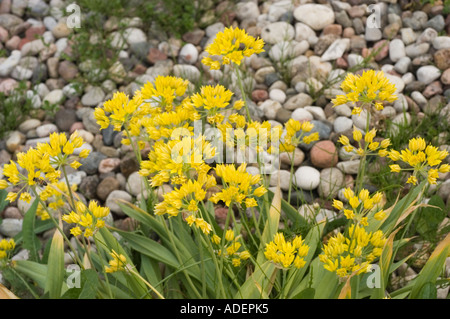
[(108, 165), (12, 212), (432, 89), (67, 70), (341, 63), (442, 59), (106, 186), (13, 43), (129, 164), (335, 29), (194, 36), (34, 33), (324, 154), (383, 48), (260, 95), (155, 55), (445, 78)]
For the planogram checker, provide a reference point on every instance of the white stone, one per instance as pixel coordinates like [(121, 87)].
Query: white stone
[(76, 177), (270, 108), (304, 33), (349, 167), (302, 114), (397, 81), (9, 64), (401, 104), (442, 42), (316, 16), (336, 49), (135, 184), (402, 65), (283, 177), (46, 130), (277, 95), (134, 35), (316, 111), (396, 50), (186, 71), (277, 32), (343, 110), (354, 59), (188, 54), (342, 124), (284, 50), (427, 74), (408, 36), (85, 146), (247, 10), (54, 97), (28, 125), (307, 178)]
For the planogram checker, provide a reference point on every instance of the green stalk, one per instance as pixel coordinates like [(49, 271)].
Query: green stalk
[(241, 87), (290, 176)]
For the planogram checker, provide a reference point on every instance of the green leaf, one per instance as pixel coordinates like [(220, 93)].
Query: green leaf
[(307, 293), (33, 270), (433, 267), (55, 269), (91, 283), (429, 218), (3, 201), (30, 240), (259, 284), (150, 248), (428, 291)]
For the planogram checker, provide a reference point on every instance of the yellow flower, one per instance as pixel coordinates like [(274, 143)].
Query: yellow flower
[(412, 180), (380, 215), (286, 253), (338, 204), (232, 45), (395, 168), (229, 235), (118, 263), (357, 135)]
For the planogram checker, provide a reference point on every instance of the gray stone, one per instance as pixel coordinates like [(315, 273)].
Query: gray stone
[(342, 124), (90, 163), (427, 74), (10, 63), (93, 97), (114, 198), (298, 101), (10, 227), (336, 49), (349, 167), (396, 50), (277, 32), (331, 180)]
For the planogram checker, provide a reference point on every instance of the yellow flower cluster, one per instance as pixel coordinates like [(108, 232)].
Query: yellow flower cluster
[(371, 88), (42, 165), (294, 137), (425, 161), (6, 246), (231, 248), (287, 253), (370, 145), (231, 45), (87, 219), (118, 263), (56, 195), (361, 205), (213, 99), (353, 252), (238, 186)]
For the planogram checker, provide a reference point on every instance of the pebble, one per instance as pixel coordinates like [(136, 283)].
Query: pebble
[(331, 181), (29, 125), (316, 16), (286, 158), (277, 95), (298, 101), (396, 50), (277, 32), (349, 167), (93, 97), (106, 186), (90, 164), (14, 140), (282, 177), (108, 165), (10, 227), (188, 54), (427, 74), (336, 49), (342, 124), (324, 154), (114, 197), (186, 71), (46, 130), (10, 63), (307, 178), (301, 114), (135, 184), (54, 97)]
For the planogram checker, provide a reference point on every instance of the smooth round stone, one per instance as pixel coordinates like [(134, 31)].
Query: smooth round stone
[(317, 112), (343, 110), (10, 227), (186, 71), (331, 181), (277, 32), (349, 167), (87, 137), (302, 114), (402, 65), (401, 104), (396, 50), (54, 97), (316, 16), (427, 74), (282, 177), (310, 212), (286, 158), (441, 42), (90, 164), (93, 97), (252, 170), (76, 178), (188, 54), (304, 33), (270, 108), (134, 35), (135, 184), (14, 140), (277, 95), (307, 178), (298, 101), (106, 186), (324, 154), (46, 130), (342, 124), (28, 125), (114, 197)]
